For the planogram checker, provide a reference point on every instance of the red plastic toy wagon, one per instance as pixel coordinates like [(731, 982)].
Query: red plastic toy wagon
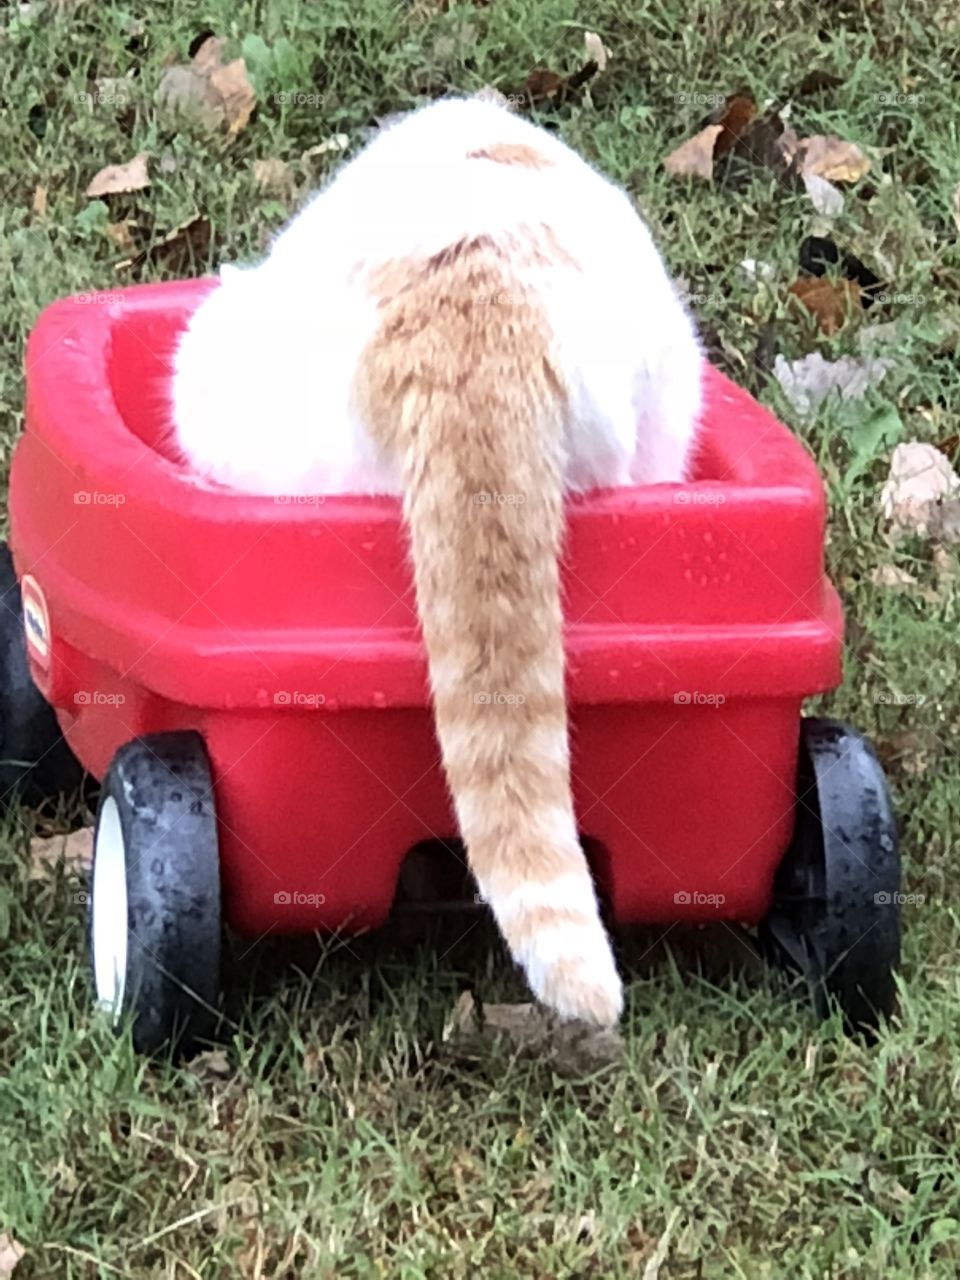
[(246, 677)]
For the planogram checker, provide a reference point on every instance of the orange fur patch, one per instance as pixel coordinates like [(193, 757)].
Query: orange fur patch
[(515, 153)]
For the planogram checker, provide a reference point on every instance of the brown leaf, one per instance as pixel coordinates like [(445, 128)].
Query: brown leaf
[(73, 850), (832, 158), (956, 206), (570, 1047), (118, 179), (735, 118), (273, 176), (543, 86), (39, 202), (694, 158), (219, 94), (11, 1251), (121, 234), (179, 250), (769, 142), (831, 301)]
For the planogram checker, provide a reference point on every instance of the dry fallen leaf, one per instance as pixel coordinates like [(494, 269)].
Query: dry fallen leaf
[(889, 575), (570, 1047), (118, 179), (806, 382), (39, 202), (273, 176), (73, 850), (832, 301), (11, 1251), (922, 493), (694, 158), (832, 158), (956, 206), (596, 50), (219, 94), (542, 86), (121, 234), (337, 142), (180, 250), (824, 196), (737, 115), (212, 1063)]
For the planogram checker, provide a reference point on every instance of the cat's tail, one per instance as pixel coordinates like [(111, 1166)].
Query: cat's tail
[(459, 385)]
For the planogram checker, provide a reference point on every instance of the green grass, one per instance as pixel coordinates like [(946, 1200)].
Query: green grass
[(346, 1136)]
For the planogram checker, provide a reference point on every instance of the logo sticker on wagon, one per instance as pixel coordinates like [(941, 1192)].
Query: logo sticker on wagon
[(36, 620)]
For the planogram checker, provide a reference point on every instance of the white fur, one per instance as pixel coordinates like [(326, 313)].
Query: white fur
[(261, 395), (598, 981), (571, 892)]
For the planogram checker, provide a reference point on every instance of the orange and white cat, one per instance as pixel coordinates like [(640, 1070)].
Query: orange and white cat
[(471, 316)]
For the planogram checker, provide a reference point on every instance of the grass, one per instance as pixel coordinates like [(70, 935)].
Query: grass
[(340, 1134)]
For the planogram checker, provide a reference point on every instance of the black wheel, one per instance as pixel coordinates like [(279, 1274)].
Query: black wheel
[(835, 917), (154, 909), (35, 762)]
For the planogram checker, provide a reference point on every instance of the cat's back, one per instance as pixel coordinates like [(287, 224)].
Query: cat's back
[(458, 168)]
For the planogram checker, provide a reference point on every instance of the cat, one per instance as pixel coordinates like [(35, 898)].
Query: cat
[(472, 317)]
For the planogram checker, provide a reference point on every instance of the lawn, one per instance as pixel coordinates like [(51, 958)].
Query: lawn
[(337, 1132)]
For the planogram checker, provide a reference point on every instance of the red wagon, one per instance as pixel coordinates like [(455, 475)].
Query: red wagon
[(246, 677)]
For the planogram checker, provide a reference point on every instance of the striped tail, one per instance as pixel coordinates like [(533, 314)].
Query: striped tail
[(464, 393)]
